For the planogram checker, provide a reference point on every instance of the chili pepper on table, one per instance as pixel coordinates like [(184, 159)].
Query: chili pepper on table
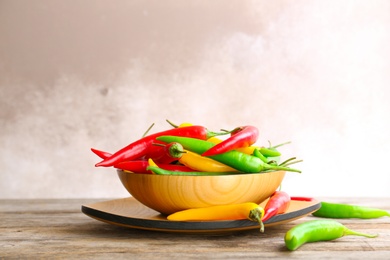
[(240, 137), (248, 210), (278, 203), (204, 164), (237, 160), (144, 145), (301, 198), (338, 210), (317, 230)]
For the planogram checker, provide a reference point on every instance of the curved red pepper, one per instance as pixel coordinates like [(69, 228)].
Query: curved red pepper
[(302, 198), (241, 137), (141, 147), (100, 153), (278, 203), (171, 152), (139, 166)]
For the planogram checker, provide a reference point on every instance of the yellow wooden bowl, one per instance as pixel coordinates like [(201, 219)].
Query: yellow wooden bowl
[(171, 193)]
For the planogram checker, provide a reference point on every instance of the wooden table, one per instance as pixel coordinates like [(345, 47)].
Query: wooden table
[(57, 228)]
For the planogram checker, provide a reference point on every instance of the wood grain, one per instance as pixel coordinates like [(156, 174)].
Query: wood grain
[(53, 229)]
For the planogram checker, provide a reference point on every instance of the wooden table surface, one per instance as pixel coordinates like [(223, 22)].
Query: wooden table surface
[(56, 228)]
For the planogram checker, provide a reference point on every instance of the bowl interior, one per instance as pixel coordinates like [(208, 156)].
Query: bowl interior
[(171, 193)]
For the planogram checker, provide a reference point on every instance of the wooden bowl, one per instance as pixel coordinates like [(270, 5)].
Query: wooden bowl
[(171, 193)]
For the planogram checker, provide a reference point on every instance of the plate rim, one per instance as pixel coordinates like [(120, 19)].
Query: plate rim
[(191, 226)]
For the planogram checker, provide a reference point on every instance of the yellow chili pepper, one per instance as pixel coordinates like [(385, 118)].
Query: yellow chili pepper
[(248, 150), (185, 124), (152, 163), (248, 210), (203, 164), (214, 140)]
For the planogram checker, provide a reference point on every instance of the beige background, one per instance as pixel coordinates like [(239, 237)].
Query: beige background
[(82, 74)]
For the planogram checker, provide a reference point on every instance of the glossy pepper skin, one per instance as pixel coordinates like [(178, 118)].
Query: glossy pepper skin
[(299, 198), (143, 146), (278, 203), (140, 166), (171, 152), (338, 210), (204, 164), (317, 230), (241, 137), (165, 153), (160, 171), (248, 210), (237, 160)]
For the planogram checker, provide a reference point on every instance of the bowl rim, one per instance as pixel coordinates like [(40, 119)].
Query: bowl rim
[(205, 175)]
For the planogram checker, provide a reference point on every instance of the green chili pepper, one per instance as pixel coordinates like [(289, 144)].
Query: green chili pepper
[(160, 171), (237, 160), (336, 210), (317, 230), (258, 154), (269, 152)]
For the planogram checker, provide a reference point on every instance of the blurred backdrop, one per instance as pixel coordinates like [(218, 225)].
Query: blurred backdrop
[(82, 74)]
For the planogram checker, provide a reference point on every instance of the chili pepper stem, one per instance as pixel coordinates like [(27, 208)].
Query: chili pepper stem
[(348, 232), (256, 215), (279, 145), (148, 130), (288, 160), (280, 168), (172, 124)]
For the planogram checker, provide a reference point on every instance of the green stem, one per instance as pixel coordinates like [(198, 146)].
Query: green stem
[(276, 146), (352, 232), (294, 162), (147, 131), (172, 124)]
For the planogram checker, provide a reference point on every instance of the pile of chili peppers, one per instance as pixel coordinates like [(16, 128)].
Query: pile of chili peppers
[(194, 150)]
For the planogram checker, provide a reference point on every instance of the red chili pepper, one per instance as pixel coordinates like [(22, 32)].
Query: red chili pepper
[(278, 203), (241, 137), (171, 152), (100, 153), (302, 198), (139, 166), (141, 147)]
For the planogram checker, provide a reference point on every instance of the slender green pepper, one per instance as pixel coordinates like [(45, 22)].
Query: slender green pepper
[(237, 160), (269, 152), (258, 154), (160, 171), (337, 210), (317, 230)]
